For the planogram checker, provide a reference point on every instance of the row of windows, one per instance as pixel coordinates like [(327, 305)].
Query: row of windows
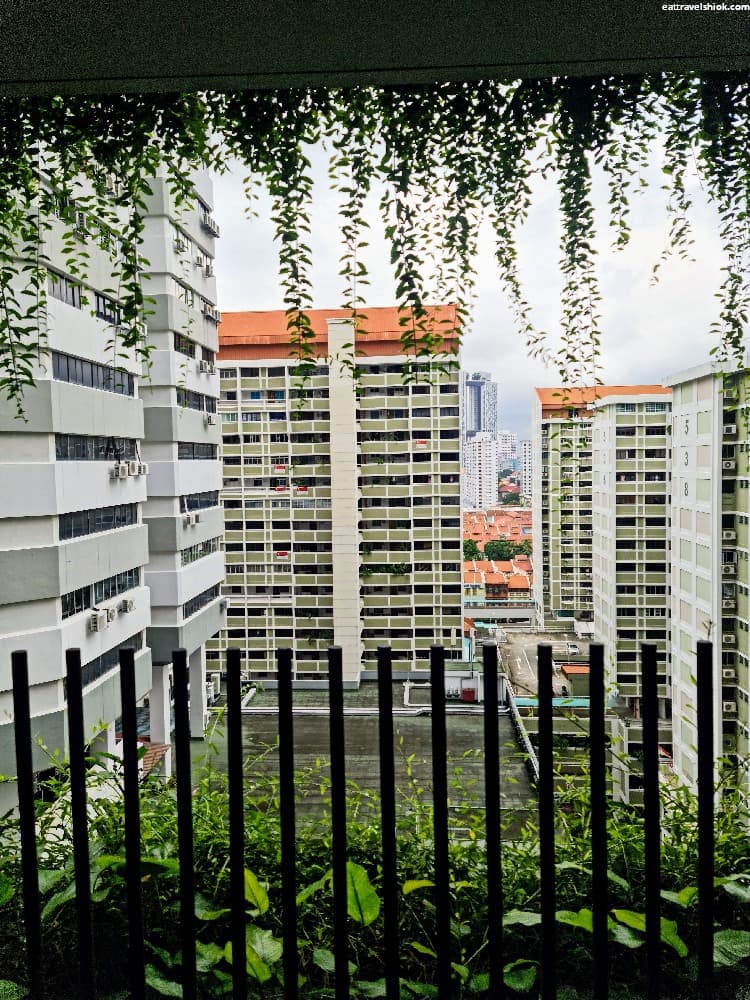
[(86, 597), (71, 292), (96, 668), (78, 371), (196, 450), (195, 400), (82, 448), (90, 522), (199, 501), (200, 601), (199, 550)]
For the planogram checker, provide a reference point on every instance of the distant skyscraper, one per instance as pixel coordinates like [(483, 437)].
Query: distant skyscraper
[(526, 468), (481, 471), (507, 447), (479, 395)]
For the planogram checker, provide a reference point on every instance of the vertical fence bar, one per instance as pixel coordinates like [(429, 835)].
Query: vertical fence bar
[(705, 709), (287, 820), (440, 822), (651, 817), (79, 819), (598, 764), (236, 823), (132, 811), (492, 822), (546, 791), (388, 823), (185, 824), (27, 824), (338, 820)]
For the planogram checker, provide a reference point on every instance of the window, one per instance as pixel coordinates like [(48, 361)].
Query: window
[(81, 448), (90, 522), (66, 368), (198, 551), (195, 400), (625, 407), (199, 501), (195, 450), (655, 407), (200, 601), (106, 308), (184, 346), (63, 289), (101, 665), (76, 601), (104, 590)]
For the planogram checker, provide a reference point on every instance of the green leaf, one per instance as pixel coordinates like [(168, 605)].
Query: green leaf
[(479, 983), (520, 975), (49, 878), (325, 960), (584, 919), (373, 988), (420, 989), (59, 899), (203, 910), (731, 947), (625, 935), (523, 917), (461, 971), (11, 991), (254, 964), (415, 883), (736, 885), (157, 982), (669, 933), (314, 887), (255, 894), (7, 890), (207, 955), (266, 946), (363, 902), (422, 949)]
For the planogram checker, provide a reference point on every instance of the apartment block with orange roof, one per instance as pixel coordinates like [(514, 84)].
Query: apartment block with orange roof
[(562, 495), (342, 499)]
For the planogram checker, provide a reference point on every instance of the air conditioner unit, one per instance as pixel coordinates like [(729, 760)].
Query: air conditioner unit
[(128, 605), (728, 536), (729, 707), (209, 270), (730, 429), (728, 674), (196, 517), (730, 393), (728, 639), (727, 603), (199, 260), (728, 569), (193, 518), (203, 367), (111, 614), (143, 469), (729, 465), (210, 419), (186, 520), (211, 368), (98, 621), (120, 470), (134, 468)]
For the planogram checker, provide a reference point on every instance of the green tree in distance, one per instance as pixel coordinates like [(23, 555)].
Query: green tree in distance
[(471, 549)]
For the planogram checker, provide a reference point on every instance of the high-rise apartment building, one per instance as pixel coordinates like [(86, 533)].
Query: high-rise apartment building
[(89, 480), (480, 404), (507, 447), (342, 498), (710, 577), (480, 465), (631, 565), (526, 475), (562, 495)]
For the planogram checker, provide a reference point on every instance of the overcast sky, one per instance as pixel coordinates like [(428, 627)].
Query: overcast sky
[(648, 330)]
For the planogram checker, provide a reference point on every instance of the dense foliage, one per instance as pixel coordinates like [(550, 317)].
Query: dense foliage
[(447, 156), (415, 851)]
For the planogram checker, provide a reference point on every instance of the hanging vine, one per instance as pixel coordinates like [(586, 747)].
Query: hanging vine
[(447, 156)]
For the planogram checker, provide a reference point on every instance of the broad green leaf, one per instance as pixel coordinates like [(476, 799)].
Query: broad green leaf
[(422, 949), (415, 883), (254, 964), (157, 982), (49, 878), (59, 899), (479, 983), (374, 988), (314, 887), (207, 955), (11, 991), (669, 933), (420, 989), (461, 971), (325, 960), (583, 918), (266, 946), (736, 885), (363, 903), (523, 917), (520, 975), (204, 911), (255, 894), (7, 891), (463, 885), (625, 935), (631, 919), (731, 947)]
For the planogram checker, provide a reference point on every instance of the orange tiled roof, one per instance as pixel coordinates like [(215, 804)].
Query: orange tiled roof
[(518, 581), (574, 668), (264, 333), (583, 396)]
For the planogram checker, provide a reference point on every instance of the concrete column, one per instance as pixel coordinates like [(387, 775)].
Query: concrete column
[(198, 702), (160, 709), (344, 503)]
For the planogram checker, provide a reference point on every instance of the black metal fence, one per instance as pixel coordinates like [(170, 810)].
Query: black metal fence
[(442, 899)]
